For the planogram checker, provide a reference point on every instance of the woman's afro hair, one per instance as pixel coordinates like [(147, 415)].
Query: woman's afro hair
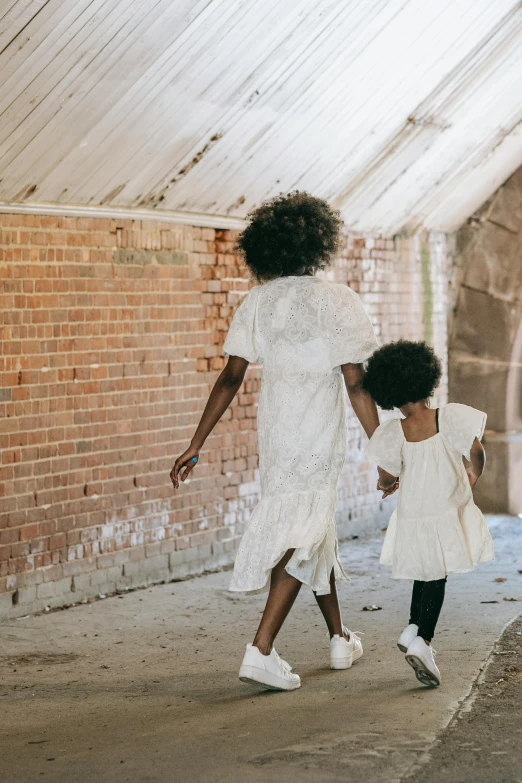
[(290, 234), (402, 372)]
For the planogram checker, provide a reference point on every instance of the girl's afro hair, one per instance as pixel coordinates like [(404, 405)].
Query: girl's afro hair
[(402, 372)]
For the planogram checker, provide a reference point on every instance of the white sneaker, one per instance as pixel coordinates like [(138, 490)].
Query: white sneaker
[(270, 671), (407, 636), (420, 657), (342, 652)]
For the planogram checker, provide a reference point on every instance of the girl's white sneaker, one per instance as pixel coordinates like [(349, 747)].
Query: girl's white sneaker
[(342, 652), (269, 671), (407, 636), (420, 656)]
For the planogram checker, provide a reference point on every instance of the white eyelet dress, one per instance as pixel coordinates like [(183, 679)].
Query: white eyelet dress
[(302, 329), (437, 528)]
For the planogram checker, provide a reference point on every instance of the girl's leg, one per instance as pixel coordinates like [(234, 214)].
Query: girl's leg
[(432, 600), (331, 611), (284, 589), (416, 602)]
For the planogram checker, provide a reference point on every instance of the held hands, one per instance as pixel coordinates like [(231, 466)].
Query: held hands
[(388, 490), (183, 466)]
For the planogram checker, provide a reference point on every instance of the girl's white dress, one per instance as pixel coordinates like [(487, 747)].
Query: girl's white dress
[(436, 528), (302, 329)]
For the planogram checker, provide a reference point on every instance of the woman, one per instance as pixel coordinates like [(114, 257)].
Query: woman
[(310, 335)]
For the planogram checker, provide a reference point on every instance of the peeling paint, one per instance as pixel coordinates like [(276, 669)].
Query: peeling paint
[(197, 158), (113, 194), (25, 193), (427, 121), (154, 199), (235, 206)]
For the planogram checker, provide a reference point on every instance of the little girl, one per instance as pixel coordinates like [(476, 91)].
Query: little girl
[(312, 337), (437, 528)]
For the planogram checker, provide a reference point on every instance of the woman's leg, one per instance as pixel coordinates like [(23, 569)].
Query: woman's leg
[(329, 606), (432, 600), (284, 589)]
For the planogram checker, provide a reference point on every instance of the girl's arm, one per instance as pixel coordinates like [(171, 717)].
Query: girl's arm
[(363, 405), (478, 461), (224, 391), (387, 483)]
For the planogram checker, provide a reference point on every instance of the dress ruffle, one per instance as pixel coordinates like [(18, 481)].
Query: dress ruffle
[(430, 547), (304, 521)]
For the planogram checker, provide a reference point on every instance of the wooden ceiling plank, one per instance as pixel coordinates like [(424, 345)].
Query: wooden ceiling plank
[(75, 66), (16, 17), (100, 135)]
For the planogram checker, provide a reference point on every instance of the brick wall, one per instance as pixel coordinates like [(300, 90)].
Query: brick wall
[(111, 340)]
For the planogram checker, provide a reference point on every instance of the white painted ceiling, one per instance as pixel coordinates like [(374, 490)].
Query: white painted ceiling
[(403, 113)]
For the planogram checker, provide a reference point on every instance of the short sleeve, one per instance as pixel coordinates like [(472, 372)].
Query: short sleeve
[(460, 425), (242, 339), (349, 330), (385, 447)]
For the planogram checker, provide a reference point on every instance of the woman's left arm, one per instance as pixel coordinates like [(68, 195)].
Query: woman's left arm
[(363, 405), (224, 391)]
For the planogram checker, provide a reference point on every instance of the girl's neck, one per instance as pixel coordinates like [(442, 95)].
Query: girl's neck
[(420, 422), (415, 410)]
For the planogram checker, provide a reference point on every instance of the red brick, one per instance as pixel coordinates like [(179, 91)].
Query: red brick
[(109, 366)]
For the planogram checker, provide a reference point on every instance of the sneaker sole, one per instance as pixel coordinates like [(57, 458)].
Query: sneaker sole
[(261, 678), (422, 672), (402, 648), (341, 663), (345, 663)]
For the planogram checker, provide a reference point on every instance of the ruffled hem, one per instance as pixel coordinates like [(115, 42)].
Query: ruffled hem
[(426, 549), (304, 521)]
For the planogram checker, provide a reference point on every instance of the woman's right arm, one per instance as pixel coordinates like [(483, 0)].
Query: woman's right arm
[(224, 391)]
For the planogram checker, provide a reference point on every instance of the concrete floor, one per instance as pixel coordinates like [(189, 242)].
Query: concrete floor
[(143, 687), (483, 743)]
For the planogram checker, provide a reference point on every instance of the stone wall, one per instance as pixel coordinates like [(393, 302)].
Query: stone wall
[(112, 334), (485, 345)]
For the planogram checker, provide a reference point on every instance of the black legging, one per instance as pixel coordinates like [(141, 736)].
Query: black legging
[(426, 602)]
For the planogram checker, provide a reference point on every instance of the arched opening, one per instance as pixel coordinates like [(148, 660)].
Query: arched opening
[(485, 346)]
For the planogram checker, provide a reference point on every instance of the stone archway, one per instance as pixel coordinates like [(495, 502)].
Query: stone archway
[(485, 344)]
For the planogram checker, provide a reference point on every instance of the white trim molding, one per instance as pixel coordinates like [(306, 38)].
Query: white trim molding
[(199, 219)]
